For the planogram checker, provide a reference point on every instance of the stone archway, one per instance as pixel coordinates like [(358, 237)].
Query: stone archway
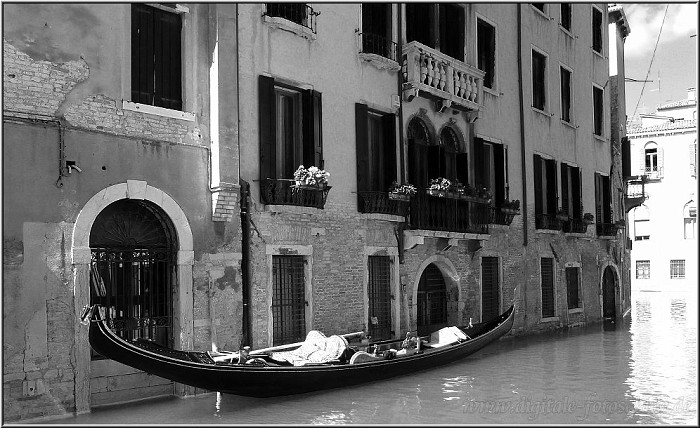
[(609, 286), (81, 256), (455, 304)]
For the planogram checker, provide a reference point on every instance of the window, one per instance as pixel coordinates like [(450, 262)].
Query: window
[(486, 51), (545, 192), (677, 269), (439, 26), (299, 13), (375, 149), (573, 287), (571, 191), (490, 286), (597, 28), (565, 78), (288, 300), (603, 206), (428, 160), (379, 297), (290, 129), (377, 30), (689, 220), (652, 161), (156, 63), (547, 277), (566, 16), (642, 224), (539, 68), (693, 155), (598, 111), (643, 269), (491, 169)]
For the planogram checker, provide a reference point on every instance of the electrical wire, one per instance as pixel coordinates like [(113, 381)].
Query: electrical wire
[(651, 62)]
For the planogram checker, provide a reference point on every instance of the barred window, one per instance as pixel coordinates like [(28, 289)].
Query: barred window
[(677, 269), (643, 269)]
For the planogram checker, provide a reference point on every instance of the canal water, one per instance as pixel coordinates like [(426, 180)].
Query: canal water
[(641, 370)]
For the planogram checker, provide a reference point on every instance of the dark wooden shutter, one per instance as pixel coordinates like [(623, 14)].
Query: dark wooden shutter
[(434, 161), (479, 167), (266, 109), (462, 161), (576, 191), (142, 54), (389, 170), (167, 60), (379, 296), (551, 166), (499, 173), (607, 201), (312, 132), (537, 168), (489, 288), (361, 147), (598, 199), (565, 187), (547, 274)]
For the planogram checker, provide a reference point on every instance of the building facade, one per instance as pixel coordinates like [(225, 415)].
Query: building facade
[(664, 152), (176, 192)]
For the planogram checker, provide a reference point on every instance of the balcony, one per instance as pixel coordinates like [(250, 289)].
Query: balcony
[(575, 225), (380, 203), (548, 222), (498, 215), (283, 192), (428, 212), (606, 229), (450, 82), (635, 195), (297, 13), (654, 172)]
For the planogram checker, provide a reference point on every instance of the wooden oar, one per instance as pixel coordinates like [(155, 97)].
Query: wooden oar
[(297, 344)]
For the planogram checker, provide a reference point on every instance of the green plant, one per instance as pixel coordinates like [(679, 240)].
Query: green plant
[(312, 176)]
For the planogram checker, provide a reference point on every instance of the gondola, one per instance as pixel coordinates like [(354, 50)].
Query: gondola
[(268, 378)]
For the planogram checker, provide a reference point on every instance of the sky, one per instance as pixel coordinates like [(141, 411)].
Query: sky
[(675, 61)]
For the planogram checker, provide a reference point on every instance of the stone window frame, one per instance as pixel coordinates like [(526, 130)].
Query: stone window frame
[(396, 301), (379, 61), (494, 83), (581, 307)]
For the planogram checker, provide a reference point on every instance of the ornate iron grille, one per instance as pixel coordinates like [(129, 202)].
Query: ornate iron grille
[(575, 225), (496, 216), (380, 203), (288, 300), (282, 192), (606, 229), (432, 301), (430, 212), (490, 298), (299, 13), (548, 221), (379, 293), (379, 45), (547, 274)]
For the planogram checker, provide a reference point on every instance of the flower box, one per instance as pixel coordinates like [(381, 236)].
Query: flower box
[(399, 196), (437, 192), (511, 211)]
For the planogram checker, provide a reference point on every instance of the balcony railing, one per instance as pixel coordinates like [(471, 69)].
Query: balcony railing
[(636, 195), (606, 229), (548, 221), (378, 45), (441, 76), (282, 192), (498, 216), (429, 212), (654, 172), (575, 225), (380, 203), (299, 13)]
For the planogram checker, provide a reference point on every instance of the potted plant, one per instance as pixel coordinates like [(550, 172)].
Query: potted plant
[(456, 190), (510, 207), (484, 194), (313, 178), (588, 218), (562, 215), (439, 186), (401, 192)]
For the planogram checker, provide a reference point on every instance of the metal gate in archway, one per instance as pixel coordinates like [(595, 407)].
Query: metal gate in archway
[(609, 311), (432, 301), (133, 249)]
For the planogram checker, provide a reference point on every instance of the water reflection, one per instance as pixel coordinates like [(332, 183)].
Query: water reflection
[(641, 370)]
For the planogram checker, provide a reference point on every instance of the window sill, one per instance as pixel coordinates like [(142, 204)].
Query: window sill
[(292, 209), (576, 235), (548, 231), (542, 112), (287, 25), (540, 13), (600, 138), (576, 311), (549, 319), (600, 54), (384, 217), (379, 61), (158, 111), (567, 32), (492, 91), (569, 124)]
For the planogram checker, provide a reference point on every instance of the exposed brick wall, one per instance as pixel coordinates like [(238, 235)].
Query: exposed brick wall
[(225, 205)]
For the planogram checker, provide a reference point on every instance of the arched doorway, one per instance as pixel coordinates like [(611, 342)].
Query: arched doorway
[(609, 293), (432, 301)]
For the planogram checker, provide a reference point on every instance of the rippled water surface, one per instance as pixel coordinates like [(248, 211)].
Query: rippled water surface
[(643, 370)]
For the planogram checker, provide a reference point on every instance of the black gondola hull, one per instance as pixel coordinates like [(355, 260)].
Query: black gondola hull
[(266, 381)]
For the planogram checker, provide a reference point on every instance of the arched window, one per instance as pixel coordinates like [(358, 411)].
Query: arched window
[(642, 229), (690, 225), (652, 162), (430, 159), (418, 142)]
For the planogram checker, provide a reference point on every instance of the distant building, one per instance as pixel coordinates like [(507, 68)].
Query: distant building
[(664, 228)]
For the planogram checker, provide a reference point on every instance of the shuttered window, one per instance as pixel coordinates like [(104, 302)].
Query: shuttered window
[(598, 117), (379, 296), (486, 50), (545, 185), (602, 199), (539, 66), (490, 162), (290, 129), (490, 288), (571, 190), (643, 269), (597, 30), (375, 149), (565, 81), (693, 155), (677, 269), (573, 285), (156, 62), (547, 275), (288, 299)]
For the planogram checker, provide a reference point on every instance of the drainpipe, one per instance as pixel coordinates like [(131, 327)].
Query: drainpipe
[(522, 121), (245, 261)]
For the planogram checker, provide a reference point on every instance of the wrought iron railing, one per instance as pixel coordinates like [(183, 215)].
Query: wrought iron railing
[(498, 215), (283, 192), (380, 203), (575, 225), (606, 229), (547, 221), (430, 212), (654, 172), (379, 45), (299, 13)]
